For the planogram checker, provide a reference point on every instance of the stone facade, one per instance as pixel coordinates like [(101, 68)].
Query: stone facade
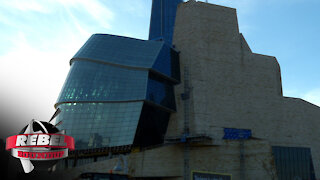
[(231, 87)]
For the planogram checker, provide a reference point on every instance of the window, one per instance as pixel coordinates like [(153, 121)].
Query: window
[(293, 163)]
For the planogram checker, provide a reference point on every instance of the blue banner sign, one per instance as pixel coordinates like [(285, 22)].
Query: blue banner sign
[(231, 133), (198, 175)]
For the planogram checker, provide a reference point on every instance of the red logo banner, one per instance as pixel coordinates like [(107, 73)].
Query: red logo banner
[(40, 140)]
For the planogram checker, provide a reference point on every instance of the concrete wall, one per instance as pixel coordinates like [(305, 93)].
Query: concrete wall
[(235, 88), (166, 161), (230, 85), (226, 159)]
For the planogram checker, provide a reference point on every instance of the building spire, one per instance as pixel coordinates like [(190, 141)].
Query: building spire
[(163, 16)]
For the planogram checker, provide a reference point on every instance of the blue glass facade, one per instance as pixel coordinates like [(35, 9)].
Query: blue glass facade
[(160, 91), (162, 19), (120, 50), (87, 83), (293, 163), (95, 125), (167, 63), (131, 53), (112, 86)]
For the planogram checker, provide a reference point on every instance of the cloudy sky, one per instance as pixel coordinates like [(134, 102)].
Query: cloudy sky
[(38, 38)]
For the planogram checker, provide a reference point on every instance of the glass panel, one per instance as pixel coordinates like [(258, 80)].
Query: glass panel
[(102, 158), (95, 125), (160, 92), (96, 117), (84, 161), (168, 63), (131, 52), (293, 163), (70, 163), (152, 126), (89, 81), (162, 19), (120, 50)]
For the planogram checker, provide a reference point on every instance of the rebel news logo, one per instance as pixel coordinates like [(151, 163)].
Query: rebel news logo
[(39, 145)]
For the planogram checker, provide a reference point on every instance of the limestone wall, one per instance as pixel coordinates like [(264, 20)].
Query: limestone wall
[(235, 88), (226, 159), (164, 161)]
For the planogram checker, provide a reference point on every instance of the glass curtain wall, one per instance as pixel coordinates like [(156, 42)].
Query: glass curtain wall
[(110, 98), (293, 163), (162, 21)]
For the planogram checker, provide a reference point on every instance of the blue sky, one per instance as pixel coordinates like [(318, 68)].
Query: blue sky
[(38, 38)]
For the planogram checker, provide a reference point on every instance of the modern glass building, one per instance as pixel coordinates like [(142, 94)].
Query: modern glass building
[(119, 92), (119, 96)]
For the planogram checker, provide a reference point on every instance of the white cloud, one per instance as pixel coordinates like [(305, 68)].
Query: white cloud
[(313, 96), (95, 9), (137, 7), (291, 92), (38, 39), (30, 5), (99, 14), (31, 77)]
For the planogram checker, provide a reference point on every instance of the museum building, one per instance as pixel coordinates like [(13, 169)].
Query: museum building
[(191, 102)]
